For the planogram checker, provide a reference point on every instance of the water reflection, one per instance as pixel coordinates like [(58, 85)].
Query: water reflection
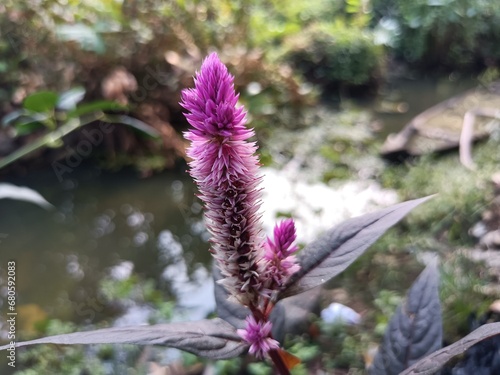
[(194, 294), (105, 225), (399, 100)]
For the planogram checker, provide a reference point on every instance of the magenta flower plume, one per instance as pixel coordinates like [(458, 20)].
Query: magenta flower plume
[(225, 168), (284, 238), (281, 263), (257, 334)]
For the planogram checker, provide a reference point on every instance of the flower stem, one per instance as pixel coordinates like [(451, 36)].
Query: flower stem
[(278, 362)]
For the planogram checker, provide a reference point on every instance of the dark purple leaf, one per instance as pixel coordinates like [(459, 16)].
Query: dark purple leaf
[(435, 361), (415, 330), (335, 250), (214, 339), (294, 315), (231, 312)]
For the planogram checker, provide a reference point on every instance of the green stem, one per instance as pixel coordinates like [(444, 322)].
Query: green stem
[(40, 142), (71, 125)]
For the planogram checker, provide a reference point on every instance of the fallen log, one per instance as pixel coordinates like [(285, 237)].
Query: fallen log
[(455, 122)]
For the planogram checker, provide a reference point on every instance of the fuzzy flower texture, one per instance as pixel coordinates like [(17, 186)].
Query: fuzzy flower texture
[(226, 169)]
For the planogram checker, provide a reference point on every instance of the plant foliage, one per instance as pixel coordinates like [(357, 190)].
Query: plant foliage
[(217, 339), (416, 328)]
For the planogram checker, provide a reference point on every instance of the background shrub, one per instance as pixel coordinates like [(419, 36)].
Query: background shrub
[(334, 53), (453, 34)]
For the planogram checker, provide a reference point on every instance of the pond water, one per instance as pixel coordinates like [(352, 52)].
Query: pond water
[(100, 220), (108, 224), (400, 100)]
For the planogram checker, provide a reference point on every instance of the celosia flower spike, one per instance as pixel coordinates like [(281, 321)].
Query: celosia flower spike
[(284, 238), (280, 263), (225, 167)]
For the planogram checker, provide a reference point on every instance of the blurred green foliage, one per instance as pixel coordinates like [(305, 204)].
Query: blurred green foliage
[(67, 40), (98, 359), (386, 302), (58, 115), (70, 361), (272, 47), (461, 295), (52, 45), (462, 195), (333, 53), (449, 34), (39, 32)]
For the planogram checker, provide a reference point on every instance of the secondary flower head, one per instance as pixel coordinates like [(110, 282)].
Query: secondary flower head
[(280, 263), (257, 334), (284, 238), (225, 168)]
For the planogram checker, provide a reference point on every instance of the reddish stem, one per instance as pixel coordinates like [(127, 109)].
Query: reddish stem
[(278, 362)]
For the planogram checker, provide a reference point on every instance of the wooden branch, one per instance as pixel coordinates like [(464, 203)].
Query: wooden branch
[(467, 133)]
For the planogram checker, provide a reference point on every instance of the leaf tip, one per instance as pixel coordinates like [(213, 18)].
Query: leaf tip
[(289, 359)]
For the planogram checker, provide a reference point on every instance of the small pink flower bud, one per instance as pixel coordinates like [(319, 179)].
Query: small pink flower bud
[(257, 334)]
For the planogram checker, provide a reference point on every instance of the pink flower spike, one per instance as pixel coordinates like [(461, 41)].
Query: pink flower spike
[(278, 262), (212, 104), (284, 237), (257, 334), (225, 168)]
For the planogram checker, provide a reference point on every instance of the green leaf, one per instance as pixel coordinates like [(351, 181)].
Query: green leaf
[(13, 116), (42, 101), (25, 122), (27, 127), (133, 122), (21, 193), (69, 99), (43, 141), (353, 6), (99, 105), (52, 139)]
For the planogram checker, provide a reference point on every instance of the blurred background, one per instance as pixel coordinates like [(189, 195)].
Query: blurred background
[(100, 215)]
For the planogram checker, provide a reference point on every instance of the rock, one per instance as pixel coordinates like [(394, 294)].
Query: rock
[(338, 313), (495, 307), (478, 230), (491, 240)]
